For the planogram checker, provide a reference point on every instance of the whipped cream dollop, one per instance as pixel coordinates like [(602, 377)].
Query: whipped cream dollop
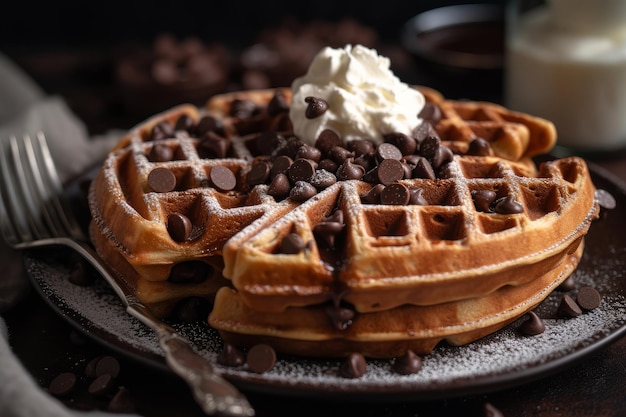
[(365, 99)]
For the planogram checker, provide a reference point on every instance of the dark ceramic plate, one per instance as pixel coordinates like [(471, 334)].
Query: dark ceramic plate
[(500, 360)]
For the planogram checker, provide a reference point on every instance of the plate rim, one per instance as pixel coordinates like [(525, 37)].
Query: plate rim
[(368, 392)]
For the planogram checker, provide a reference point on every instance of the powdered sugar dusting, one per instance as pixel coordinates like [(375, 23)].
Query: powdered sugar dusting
[(500, 355)]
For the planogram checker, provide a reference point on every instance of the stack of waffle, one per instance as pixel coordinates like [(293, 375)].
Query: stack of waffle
[(448, 233)]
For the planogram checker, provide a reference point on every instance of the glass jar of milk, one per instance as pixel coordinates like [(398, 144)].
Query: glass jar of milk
[(566, 61)]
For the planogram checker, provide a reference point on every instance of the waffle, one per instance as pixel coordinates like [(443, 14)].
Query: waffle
[(349, 246), (384, 334), (129, 219), (512, 135), (392, 255)]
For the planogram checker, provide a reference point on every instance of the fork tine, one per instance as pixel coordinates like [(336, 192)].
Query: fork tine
[(27, 189), (12, 175), (8, 227), (50, 178), (40, 192)]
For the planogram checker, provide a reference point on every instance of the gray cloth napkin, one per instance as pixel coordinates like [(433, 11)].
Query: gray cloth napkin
[(25, 108)]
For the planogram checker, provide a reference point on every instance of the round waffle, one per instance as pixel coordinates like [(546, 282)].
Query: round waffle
[(130, 219), (452, 217), (384, 334), (444, 250)]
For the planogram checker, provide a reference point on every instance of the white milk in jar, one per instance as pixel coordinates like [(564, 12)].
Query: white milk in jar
[(566, 61)]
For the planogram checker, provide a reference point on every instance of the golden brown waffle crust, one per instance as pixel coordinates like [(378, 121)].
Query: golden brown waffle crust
[(446, 260), (435, 254), (513, 135), (386, 334)]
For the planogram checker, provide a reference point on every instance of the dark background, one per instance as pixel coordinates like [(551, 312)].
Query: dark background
[(80, 23), (73, 48), (68, 47)]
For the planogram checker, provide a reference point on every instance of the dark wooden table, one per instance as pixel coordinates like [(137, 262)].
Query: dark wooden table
[(48, 345)]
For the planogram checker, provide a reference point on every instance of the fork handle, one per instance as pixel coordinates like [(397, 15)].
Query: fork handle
[(212, 392)]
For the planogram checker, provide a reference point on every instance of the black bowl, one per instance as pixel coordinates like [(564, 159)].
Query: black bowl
[(459, 48)]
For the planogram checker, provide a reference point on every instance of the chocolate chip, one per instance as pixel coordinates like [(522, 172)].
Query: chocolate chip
[(179, 227), (340, 316), (490, 411), (101, 385), (328, 165), (605, 199), (361, 147), (278, 104), (108, 365), (567, 285), (301, 170), (508, 205), (328, 229), (423, 131), (407, 145), (417, 196), (267, 142), (588, 298), (479, 147), (568, 307), (280, 165), (373, 195), (354, 366), (395, 194), (259, 173), (323, 179), (302, 191), (279, 187), (209, 124), (430, 112), (63, 384), (423, 169), (162, 130), (291, 244), (184, 122), (309, 152), (442, 156), (160, 152), (162, 180), (429, 146), (261, 358), (90, 368), (533, 325), (367, 161), (213, 145), (408, 169), (316, 107), (222, 178), (483, 199), (231, 356), (242, 108), (121, 402), (327, 140), (389, 171), (407, 364), (339, 154), (348, 170), (288, 146), (388, 151), (189, 271)]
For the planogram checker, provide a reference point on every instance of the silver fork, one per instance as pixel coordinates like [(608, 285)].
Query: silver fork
[(33, 214)]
